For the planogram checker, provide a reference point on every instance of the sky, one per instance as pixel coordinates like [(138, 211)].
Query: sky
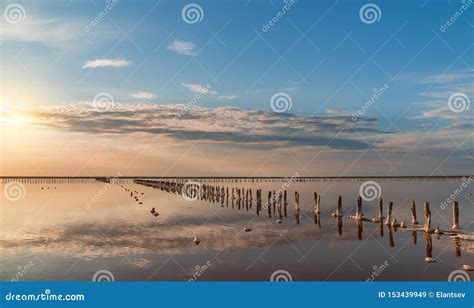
[(95, 87)]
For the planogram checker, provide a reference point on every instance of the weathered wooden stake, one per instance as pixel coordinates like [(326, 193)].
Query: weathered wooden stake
[(338, 212), (389, 216), (414, 221), (280, 213), (359, 208), (455, 215), (427, 226), (381, 209), (297, 207), (316, 210), (269, 206), (285, 203), (274, 202)]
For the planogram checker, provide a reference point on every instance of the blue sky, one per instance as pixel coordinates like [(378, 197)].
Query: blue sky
[(320, 53)]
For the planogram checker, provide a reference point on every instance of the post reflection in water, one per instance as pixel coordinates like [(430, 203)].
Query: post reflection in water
[(220, 228)]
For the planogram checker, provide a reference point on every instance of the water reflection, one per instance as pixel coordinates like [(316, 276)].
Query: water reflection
[(246, 233)]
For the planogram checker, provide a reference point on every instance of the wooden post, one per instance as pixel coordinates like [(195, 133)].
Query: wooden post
[(269, 206), (280, 213), (359, 208), (389, 216), (274, 202), (455, 215), (316, 208), (297, 207), (338, 212), (380, 209), (285, 203), (414, 221), (427, 226)]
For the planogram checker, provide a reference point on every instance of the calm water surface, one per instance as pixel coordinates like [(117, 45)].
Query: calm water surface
[(70, 231)]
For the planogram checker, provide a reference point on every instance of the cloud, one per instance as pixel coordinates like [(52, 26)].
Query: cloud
[(183, 48), (144, 95), (106, 63), (198, 88), (50, 32), (448, 77), (226, 125), (206, 89), (227, 96)]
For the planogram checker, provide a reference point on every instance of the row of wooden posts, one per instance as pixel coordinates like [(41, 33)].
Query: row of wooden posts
[(277, 204)]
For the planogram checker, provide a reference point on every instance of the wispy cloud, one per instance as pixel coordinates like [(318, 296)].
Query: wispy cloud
[(220, 125), (206, 89), (227, 96), (144, 95), (198, 88), (106, 63), (448, 77), (183, 48)]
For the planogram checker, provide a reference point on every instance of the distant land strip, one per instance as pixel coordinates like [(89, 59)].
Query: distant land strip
[(295, 178)]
